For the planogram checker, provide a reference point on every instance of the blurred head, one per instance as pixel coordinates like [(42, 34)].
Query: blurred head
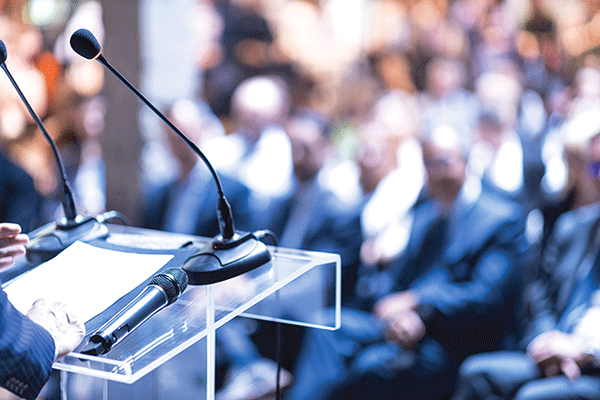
[(445, 159), (186, 115), (377, 153), (490, 128), (308, 133), (444, 75), (259, 102)]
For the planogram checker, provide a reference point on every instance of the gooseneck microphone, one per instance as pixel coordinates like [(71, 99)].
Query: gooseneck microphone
[(230, 253), (50, 240), (164, 288)]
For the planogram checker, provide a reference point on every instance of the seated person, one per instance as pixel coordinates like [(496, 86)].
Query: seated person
[(449, 294), (561, 340), (188, 203), (311, 217)]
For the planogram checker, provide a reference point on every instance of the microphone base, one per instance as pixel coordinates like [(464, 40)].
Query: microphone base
[(53, 238), (222, 259)]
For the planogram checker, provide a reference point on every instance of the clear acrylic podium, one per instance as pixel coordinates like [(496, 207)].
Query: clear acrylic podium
[(295, 284)]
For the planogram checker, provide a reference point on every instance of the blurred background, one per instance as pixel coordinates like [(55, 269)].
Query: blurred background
[(519, 80), (441, 59)]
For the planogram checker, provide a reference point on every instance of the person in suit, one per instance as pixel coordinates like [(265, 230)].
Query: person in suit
[(561, 338), (310, 216), (448, 295), (21, 202), (188, 203), (257, 152), (29, 344)]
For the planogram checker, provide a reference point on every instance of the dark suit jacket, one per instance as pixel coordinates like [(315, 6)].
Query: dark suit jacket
[(26, 352), (467, 296), (237, 194), (20, 202), (333, 227), (548, 296)]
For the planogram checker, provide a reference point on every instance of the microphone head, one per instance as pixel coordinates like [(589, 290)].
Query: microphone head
[(85, 44), (3, 53), (173, 281)]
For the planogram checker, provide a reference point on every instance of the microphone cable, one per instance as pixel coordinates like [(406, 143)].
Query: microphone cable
[(264, 233)]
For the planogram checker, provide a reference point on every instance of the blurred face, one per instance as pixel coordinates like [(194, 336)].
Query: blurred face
[(376, 156), (491, 133), (188, 122), (309, 148), (445, 166)]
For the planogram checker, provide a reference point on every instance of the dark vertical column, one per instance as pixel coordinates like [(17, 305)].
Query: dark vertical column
[(121, 141)]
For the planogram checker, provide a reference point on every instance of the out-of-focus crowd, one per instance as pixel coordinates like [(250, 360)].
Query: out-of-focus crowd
[(446, 149)]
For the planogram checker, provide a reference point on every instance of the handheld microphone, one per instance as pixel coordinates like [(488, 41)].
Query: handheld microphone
[(50, 240), (230, 253), (164, 288)]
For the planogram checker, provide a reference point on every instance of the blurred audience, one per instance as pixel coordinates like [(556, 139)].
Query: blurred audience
[(311, 217), (188, 203), (497, 156), (391, 178), (258, 151), (517, 81), (560, 344), (457, 278), (445, 100)]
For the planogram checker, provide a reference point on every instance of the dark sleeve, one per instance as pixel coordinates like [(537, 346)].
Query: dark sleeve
[(540, 295), (20, 200), (491, 285), (154, 208), (26, 352)]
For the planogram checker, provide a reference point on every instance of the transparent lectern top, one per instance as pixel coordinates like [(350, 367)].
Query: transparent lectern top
[(291, 288)]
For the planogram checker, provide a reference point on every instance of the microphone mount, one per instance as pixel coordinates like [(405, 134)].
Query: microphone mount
[(230, 253)]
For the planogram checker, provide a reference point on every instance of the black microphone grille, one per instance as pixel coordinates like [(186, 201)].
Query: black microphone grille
[(3, 53), (173, 281), (85, 44)]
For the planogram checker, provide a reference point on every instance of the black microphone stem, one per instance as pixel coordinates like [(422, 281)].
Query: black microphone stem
[(229, 254), (103, 60), (223, 208), (67, 194)]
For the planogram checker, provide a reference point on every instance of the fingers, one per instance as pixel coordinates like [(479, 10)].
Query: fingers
[(20, 238), (64, 326), (395, 303), (11, 249), (570, 369), (8, 229), (406, 329)]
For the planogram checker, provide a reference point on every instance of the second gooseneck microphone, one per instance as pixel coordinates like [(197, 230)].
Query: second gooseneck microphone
[(229, 254), (50, 240)]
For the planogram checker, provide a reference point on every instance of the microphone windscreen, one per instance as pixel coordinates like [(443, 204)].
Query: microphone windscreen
[(3, 53), (173, 281), (85, 44)]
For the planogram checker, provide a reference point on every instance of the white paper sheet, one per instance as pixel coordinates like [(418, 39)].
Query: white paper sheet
[(88, 279)]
